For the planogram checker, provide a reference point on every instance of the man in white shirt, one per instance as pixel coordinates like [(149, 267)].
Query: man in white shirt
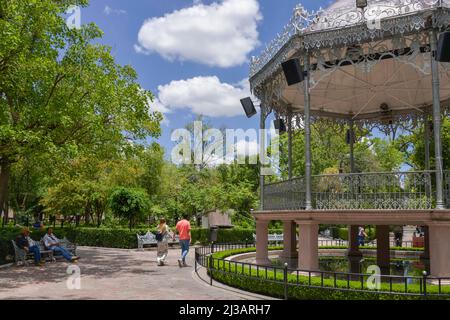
[(52, 243)]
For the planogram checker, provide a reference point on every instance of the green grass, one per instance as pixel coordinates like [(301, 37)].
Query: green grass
[(301, 288)]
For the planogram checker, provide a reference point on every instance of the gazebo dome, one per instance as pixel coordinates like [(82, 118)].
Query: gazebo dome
[(343, 13)]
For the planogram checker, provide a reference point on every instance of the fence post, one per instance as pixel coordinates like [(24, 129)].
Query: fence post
[(425, 275), (210, 270), (285, 281)]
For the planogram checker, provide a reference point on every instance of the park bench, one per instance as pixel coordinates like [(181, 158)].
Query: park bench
[(21, 256), (150, 239), (273, 238), (71, 247)]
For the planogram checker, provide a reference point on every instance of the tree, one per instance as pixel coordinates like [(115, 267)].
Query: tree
[(62, 94), (129, 204)]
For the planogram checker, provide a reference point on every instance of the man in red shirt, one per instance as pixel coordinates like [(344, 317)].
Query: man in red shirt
[(184, 229)]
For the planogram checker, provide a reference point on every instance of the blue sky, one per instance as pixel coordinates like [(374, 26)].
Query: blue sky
[(192, 55)]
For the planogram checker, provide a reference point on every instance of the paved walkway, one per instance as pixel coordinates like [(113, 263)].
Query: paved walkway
[(115, 274)]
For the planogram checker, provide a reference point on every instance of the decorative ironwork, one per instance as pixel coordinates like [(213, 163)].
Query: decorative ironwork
[(287, 195), (347, 26), (388, 191)]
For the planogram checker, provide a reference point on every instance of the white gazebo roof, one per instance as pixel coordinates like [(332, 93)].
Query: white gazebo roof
[(366, 64)]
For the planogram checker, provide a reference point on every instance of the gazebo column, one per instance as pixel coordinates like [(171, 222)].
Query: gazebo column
[(289, 240), (427, 141), (308, 245), (437, 124), (439, 249), (308, 202), (262, 242), (262, 155), (290, 144), (353, 230), (353, 245), (426, 253), (383, 249)]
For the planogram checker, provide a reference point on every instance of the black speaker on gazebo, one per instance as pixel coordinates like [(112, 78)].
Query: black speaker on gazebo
[(293, 71), (280, 125), (443, 49), (249, 107)]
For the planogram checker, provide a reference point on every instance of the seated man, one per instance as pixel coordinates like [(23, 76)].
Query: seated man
[(24, 242), (52, 243)]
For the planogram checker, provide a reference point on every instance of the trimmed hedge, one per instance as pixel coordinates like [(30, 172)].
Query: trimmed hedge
[(115, 238), (261, 286)]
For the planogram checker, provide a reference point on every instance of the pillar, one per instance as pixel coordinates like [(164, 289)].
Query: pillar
[(262, 242), (437, 124), (426, 253), (262, 156), (289, 240), (308, 244), (353, 245), (427, 141), (439, 249), (290, 145), (307, 135), (383, 249)]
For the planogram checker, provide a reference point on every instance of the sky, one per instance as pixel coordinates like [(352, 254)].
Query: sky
[(193, 55)]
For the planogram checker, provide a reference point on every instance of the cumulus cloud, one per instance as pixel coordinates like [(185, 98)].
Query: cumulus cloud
[(220, 34), (206, 96)]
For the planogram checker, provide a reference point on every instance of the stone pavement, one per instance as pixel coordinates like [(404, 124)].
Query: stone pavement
[(115, 274)]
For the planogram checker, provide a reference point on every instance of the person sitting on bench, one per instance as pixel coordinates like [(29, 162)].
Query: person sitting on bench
[(24, 242), (51, 242)]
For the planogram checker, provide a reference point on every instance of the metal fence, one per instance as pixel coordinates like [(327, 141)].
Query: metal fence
[(423, 287), (386, 190)]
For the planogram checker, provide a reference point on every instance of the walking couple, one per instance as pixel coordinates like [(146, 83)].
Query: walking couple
[(183, 228)]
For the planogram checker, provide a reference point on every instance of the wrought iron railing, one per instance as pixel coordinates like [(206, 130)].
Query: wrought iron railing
[(425, 286), (389, 190)]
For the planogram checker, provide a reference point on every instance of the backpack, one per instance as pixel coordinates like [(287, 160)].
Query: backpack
[(159, 237)]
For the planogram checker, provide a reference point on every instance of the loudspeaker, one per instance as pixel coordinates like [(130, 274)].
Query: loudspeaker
[(443, 49), (293, 71), (249, 107), (280, 125)]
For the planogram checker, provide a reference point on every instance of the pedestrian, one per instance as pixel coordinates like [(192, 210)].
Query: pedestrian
[(398, 236), (361, 236), (183, 228), (163, 244), (25, 242)]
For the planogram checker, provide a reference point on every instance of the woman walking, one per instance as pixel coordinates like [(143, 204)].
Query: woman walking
[(163, 244)]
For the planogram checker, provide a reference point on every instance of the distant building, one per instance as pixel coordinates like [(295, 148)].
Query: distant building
[(217, 219)]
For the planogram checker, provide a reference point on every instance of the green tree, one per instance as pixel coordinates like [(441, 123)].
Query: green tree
[(129, 204), (62, 94)]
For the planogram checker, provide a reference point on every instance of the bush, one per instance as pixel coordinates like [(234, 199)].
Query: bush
[(302, 290)]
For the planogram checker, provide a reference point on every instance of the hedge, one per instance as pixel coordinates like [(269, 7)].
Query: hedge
[(115, 238), (259, 285)]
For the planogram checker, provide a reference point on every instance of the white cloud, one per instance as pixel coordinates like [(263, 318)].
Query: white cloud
[(203, 96), (248, 148), (108, 11), (220, 34)]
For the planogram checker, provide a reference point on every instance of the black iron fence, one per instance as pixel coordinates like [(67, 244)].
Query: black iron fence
[(415, 286), (381, 190)]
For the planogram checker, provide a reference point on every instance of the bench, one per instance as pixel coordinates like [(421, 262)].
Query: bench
[(21, 256), (273, 238), (150, 239), (71, 247)]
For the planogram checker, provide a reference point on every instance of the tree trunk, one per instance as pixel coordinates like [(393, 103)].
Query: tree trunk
[(5, 171)]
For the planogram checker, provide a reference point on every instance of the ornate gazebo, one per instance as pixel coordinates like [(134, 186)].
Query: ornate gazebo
[(371, 64)]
